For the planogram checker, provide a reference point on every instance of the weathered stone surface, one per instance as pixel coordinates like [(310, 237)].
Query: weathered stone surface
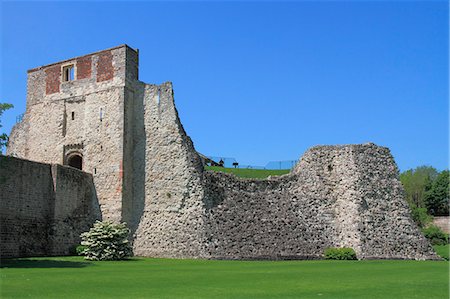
[(336, 196), (84, 116), (146, 172), (43, 208), (167, 180)]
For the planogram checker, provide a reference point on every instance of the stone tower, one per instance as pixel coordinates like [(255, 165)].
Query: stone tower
[(75, 116), (92, 112)]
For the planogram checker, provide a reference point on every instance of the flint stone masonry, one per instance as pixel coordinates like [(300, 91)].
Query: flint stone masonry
[(44, 208), (146, 172), (336, 196)]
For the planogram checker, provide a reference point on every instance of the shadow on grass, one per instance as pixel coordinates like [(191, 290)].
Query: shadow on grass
[(39, 263), (131, 259)]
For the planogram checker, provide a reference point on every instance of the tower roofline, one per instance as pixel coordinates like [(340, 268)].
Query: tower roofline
[(77, 57)]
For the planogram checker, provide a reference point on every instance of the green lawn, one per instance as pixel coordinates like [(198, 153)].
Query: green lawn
[(72, 277), (249, 173)]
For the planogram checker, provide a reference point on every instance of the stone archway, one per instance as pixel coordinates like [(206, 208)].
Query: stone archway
[(75, 161), (73, 155)]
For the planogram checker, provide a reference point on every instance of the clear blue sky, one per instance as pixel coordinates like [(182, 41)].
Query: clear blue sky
[(262, 81)]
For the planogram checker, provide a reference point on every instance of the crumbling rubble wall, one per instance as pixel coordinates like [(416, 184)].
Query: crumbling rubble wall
[(336, 196)]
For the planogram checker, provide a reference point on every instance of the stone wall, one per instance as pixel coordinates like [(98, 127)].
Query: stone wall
[(167, 213), (76, 208), (43, 208), (337, 196), (443, 222), (27, 197), (266, 219), (383, 217)]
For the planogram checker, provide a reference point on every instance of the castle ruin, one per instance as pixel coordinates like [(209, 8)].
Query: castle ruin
[(139, 166)]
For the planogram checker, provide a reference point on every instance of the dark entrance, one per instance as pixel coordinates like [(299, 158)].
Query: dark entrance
[(75, 161)]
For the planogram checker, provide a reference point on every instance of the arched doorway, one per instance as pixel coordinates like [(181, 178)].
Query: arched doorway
[(75, 161)]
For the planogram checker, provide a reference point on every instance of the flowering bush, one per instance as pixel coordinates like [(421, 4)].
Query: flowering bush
[(106, 241)]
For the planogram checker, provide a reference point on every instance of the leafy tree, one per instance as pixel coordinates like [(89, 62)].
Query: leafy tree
[(420, 216), (437, 198), (416, 183), (3, 136)]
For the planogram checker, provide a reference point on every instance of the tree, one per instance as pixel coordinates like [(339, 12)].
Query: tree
[(437, 198), (420, 216), (3, 136), (416, 183)]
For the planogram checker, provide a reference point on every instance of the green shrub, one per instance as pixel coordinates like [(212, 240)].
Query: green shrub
[(420, 216), (435, 235), (80, 249), (106, 241), (340, 254), (442, 250)]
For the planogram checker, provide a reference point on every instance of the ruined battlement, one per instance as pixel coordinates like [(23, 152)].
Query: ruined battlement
[(146, 171), (82, 75)]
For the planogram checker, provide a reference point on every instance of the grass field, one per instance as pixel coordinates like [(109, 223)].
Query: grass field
[(249, 173), (72, 277)]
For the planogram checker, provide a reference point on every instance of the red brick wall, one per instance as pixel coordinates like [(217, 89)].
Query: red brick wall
[(52, 79), (105, 70), (84, 66)]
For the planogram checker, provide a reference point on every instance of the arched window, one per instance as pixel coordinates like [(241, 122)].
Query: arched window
[(75, 161)]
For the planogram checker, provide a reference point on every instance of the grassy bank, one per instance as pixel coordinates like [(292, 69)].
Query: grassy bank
[(249, 173), (72, 277)]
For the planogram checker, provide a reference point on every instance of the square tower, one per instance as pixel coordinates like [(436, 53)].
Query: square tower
[(75, 115)]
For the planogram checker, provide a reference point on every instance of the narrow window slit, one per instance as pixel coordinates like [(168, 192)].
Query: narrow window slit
[(68, 73), (158, 96)]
